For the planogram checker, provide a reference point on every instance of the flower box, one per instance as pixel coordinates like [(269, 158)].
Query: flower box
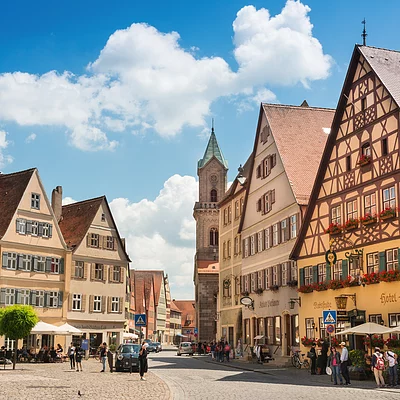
[(259, 291), (351, 227), (364, 160), (368, 219), (334, 229), (305, 289), (387, 213), (274, 288)]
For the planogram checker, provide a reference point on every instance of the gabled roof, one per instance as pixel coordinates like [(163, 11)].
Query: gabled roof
[(300, 134), (188, 310), (12, 188), (144, 287), (174, 307), (386, 64), (158, 278), (212, 150), (76, 219)]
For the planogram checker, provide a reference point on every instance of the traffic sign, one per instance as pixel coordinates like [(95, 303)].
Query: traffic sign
[(330, 329), (196, 331), (329, 317), (140, 319)]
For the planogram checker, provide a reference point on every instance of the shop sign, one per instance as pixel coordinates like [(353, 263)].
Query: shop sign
[(269, 303), (322, 304), (389, 298)]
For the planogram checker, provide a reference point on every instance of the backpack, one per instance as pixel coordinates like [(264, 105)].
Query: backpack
[(380, 364)]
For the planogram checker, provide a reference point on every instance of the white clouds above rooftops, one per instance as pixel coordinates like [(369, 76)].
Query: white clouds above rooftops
[(144, 78)]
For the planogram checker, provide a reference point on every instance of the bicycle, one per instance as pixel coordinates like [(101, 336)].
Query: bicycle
[(298, 360)]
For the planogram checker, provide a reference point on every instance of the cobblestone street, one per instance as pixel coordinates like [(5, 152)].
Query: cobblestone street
[(57, 381)]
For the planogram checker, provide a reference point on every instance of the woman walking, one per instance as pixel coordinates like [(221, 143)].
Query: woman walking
[(143, 361), (71, 355), (334, 364)]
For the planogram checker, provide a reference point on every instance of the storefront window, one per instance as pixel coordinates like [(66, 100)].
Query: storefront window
[(295, 330), (278, 332), (247, 331), (270, 330), (309, 328)]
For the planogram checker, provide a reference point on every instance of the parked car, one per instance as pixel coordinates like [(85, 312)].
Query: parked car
[(185, 348), (153, 347), (158, 346), (125, 354)]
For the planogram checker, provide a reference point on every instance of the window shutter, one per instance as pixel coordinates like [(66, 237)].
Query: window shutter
[(382, 261), (258, 172), (62, 266), (48, 264), (17, 225), (315, 273), (258, 207), (115, 244), (88, 240), (50, 230), (243, 248), (297, 224), (92, 269), (255, 243), (5, 260), (17, 296), (273, 160), (109, 304), (279, 274), (241, 284), (60, 299), (110, 273), (105, 269), (83, 303), (40, 229), (100, 241), (104, 239), (328, 272), (86, 266), (103, 304), (287, 229), (272, 196), (33, 298), (34, 263), (3, 296), (46, 299), (302, 281), (28, 227), (91, 303), (345, 269), (120, 305), (268, 164), (70, 302), (122, 275)]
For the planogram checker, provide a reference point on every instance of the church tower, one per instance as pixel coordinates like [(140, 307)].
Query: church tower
[(212, 172)]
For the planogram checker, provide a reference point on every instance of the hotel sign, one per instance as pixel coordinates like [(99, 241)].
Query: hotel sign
[(322, 304), (269, 303), (387, 298)]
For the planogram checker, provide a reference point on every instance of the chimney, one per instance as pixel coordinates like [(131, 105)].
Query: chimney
[(56, 202)]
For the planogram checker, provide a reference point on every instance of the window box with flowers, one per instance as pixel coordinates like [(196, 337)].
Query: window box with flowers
[(351, 224), (364, 160), (293, 283), (368, 219), (305, 289), (389, 276), (392, 343), (274, 288), (371, 278), (335, 284), (305, 341), (334, 229), (320, 286), (259, 290), (387, 213), (350, 281)]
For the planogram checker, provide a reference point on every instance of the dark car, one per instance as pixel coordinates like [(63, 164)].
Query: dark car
[(127, 353), (153, 347), (158, 346)]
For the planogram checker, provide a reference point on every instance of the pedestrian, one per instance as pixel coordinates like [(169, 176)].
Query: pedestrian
[(103, 355), (213, 350), (334, 364), (324, 356), (78, 358), (71, 355), (312, 354), (378, 366), (143, 361), (227, 350), (221, 351), (344, 363), (391, 358), (110, 358)]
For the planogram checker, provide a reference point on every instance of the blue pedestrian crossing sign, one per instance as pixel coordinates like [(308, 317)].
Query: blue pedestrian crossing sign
[(140, 319), (196, 331), (329, 317)]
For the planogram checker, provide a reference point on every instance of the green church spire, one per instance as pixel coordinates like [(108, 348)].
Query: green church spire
[(212, 150)]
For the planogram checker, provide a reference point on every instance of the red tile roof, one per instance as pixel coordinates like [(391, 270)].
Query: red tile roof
[(12, 188), (188, 312), (174, 307), (300, 134)]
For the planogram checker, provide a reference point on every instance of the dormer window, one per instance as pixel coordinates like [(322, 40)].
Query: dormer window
[(35, 201)]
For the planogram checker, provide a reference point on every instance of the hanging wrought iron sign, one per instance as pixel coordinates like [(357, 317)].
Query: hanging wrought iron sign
[(355, 254)]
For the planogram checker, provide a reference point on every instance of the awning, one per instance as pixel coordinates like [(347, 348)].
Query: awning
[(259, 337), (43, 328), (180, 335), (127, 335), (369, 328)]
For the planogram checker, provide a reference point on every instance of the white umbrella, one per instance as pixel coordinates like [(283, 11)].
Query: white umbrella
[(68, 329), (127, 335), (369, 328), (395, 330), (44, 328)]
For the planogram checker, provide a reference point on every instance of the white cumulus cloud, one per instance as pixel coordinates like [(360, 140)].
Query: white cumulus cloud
[(160, 233), (144, 79), (68, 200), (4, 158), (30, 138)]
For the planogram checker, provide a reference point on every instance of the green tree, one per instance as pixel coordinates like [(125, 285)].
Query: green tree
[(16, 322)]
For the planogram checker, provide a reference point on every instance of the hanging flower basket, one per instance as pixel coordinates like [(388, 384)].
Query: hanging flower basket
[(364, 160), (368, 219), (387, 213), (334, 229)]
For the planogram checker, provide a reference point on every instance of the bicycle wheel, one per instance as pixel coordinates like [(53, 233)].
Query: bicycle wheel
[(293, 361), (298, 363), (306, 365)]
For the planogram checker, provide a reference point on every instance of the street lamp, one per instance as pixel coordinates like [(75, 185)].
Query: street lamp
[(293, 301)]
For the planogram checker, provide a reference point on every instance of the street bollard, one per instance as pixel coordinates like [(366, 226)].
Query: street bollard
[(130, 364)]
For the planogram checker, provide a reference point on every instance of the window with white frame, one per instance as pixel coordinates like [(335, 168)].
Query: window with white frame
[(252, 245), (237, 245), (246, 247), (375, 318), (39, 301), (21, 226), (116, 273), (267, 273), (308, 278), (293, 270), (35, 228), (12, 260), (46, 230), (225, 216), (285, 268), (275, 235), (41, 264), (337, 270), (55, 265), (237, 209), (53, 300), (352, 209), (99, 272), (96, 303), (26, 262), (10, 296), (321, 272), (354, 268), (260, 241), (260, 277), (76, 302), (336, 215), (35, 201), (114, 304), (370, 204), (110, 243), (391, 260), (293, 226), (389, 197), (310, 332), (79, 269), (267, 238), (267, 202), (372, 263), (283, 231), (229, 214), (24, 296), (394, 320), (94, 240), (253, 277), (275, 275), (224, 250), (246, 283)]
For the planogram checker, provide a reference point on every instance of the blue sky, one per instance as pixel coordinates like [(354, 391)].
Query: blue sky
[(134, 162)]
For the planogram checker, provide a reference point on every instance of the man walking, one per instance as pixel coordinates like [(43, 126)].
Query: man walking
[(391, 358), (103, 355), (71, 355), (344, 363)]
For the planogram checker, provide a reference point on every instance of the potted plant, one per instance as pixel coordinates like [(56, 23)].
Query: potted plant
[(293, 283), (375, 341), (387, 213), (368, 219), (364, 160), (334, 229), (259, 290), (305, 341), (351, 223)]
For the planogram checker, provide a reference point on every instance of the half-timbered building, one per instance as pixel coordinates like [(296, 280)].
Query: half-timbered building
[(353, 220)]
